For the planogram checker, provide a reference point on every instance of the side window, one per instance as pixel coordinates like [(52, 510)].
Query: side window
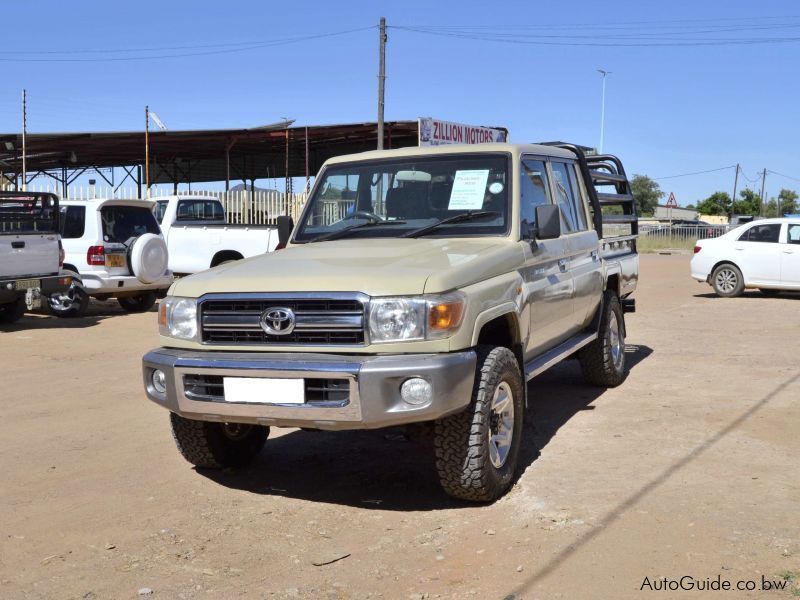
[(580, 199), (73, 222), (533, 190), (762, 233), (794, 234), (565, 198)]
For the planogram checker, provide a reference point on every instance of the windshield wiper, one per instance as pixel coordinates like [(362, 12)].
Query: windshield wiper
[(339, 233), (467, 216)]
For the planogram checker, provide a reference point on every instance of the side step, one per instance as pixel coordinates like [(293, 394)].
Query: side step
[(541, 363)]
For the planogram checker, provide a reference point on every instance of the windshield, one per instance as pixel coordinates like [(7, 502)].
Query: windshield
[(419, 191)]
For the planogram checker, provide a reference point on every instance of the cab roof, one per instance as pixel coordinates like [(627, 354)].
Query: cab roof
[(410, 151)]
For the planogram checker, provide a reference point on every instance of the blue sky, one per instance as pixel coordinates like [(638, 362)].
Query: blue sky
[(669, 110)]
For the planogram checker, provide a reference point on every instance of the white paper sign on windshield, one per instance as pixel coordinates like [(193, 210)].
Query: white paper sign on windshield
[(469, 188)]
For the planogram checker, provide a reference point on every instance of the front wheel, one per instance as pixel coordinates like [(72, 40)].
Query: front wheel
[(69, 304), (136, 304), (477, 449), (603, 360), (727, 281), (217, 445), (13, 311)]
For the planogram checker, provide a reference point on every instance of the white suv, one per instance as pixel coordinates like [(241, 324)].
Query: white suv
[(116, 250)]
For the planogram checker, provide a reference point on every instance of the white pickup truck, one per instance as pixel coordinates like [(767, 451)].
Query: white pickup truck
[(30, 252), (199, 236)]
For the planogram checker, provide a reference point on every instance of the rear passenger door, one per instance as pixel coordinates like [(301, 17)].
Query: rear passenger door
[(548, 303), (582, 242), (790, 257)]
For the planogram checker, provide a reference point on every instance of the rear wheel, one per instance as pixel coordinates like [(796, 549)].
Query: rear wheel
[(13, 311), (477, 449), (69, 304), (217, 445), (136, 304), (603, 360), (727, 281)]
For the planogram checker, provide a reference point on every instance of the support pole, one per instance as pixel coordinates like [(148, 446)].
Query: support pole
[(763, 182), (24, 136), (735, 182), (147, 149), (381, 78), (308, 176)]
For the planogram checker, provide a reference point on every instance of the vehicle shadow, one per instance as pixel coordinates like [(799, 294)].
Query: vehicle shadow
[(385, 469), (96, 312), (753, 294)]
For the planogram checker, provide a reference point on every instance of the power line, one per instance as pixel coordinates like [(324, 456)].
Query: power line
[(696, 172), (782, 175), (226, 50)]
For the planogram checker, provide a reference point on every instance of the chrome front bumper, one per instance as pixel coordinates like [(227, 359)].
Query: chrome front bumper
[(373, 381)]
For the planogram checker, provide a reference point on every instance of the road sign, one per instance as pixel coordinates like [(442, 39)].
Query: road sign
[(672, 203)]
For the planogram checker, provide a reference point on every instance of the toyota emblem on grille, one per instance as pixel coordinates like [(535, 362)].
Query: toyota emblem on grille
[(277, 321)]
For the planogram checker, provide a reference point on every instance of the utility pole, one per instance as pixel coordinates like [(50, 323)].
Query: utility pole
[(735, 181), (602, 109), (381, 78), (24, 136), (147, 149), (763, 181)]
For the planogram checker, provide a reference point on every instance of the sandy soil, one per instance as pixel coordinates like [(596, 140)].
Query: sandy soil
[(689, 468)]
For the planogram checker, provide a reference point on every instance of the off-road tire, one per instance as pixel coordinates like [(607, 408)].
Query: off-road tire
[(461, 441), (139, 303), (13, 311), (727, 272), (601, 364), (206, 444)]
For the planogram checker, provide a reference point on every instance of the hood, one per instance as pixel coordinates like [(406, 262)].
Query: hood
[(375, 266)]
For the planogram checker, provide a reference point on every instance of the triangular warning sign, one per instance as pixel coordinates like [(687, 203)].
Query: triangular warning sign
[(672, 203)]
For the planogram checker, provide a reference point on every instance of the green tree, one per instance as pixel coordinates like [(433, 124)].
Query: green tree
[(750, 203), (788, 202), (646, 194), (718, 203)]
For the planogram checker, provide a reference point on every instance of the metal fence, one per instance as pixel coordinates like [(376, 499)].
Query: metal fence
[(682, 232), (261, 207)]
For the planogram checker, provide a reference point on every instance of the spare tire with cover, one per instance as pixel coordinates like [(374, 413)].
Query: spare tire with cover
[(149, 258)]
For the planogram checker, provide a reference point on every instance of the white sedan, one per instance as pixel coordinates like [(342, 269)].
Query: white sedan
[(762, 254)]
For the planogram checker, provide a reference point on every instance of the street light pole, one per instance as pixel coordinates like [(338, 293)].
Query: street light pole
[(602, 108)]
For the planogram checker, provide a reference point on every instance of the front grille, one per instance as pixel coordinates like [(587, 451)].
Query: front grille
[(318, 391), (318, 321)]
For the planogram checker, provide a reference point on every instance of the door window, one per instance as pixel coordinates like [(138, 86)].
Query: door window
[(567, 198), (794, 234), (762, 233), (534, 191), (198, 210), (73, 222)]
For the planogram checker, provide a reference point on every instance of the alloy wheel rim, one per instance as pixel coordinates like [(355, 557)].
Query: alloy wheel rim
[(501, 424), (726, 280), (615, 340)]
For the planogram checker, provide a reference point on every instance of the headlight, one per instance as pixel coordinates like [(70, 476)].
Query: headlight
[(177, 317), (405, 319)]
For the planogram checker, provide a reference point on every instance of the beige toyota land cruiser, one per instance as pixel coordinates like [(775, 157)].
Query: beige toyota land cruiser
[(421, 285)]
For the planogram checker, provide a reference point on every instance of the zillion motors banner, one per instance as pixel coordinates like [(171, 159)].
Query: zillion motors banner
[(433, 132)]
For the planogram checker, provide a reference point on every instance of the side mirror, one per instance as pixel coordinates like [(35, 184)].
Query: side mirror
[(285, 227), (548, 222)]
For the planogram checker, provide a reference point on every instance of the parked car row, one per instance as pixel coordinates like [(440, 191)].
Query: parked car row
[(64, 253)]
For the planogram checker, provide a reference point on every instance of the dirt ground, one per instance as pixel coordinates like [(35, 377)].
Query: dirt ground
[(690, 468)]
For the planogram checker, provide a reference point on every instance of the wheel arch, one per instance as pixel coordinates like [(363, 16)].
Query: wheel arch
[(224, 255)]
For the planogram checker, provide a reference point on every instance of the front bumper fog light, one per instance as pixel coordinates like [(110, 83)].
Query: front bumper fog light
[(416, 391), (159, 380)]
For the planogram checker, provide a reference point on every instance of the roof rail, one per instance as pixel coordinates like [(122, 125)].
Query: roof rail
[(610, 187)]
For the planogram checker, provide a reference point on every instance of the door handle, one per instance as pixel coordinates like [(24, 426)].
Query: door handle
[(17, 244), (788, 251), (562, 264), (738, 248)]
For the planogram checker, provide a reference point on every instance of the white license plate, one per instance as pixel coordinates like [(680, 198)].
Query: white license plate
[(254, 390), (28, 284)]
